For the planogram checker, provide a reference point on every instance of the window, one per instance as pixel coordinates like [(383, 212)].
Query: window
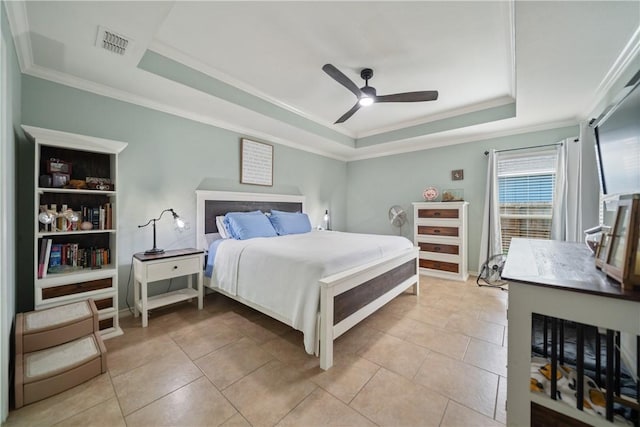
[(526, 184)]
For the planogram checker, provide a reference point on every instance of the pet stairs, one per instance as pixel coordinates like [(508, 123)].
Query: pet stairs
[(57, 349)]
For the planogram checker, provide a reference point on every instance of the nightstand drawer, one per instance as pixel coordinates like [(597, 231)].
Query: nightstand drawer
[(438, 213), (439, 248), (440, 265), (438, 231), (173, 268)]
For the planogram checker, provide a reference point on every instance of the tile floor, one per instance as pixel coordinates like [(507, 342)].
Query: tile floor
[(435, 360)]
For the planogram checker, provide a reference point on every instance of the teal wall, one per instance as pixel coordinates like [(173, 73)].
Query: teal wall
[(168, 158), (374, 185), (10, 93)]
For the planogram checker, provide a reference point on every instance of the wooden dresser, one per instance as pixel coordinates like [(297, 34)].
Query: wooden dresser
[(440, 230)]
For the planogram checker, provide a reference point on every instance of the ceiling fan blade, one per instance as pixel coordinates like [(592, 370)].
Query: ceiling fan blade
[(426, 95), (348, 114), (342, 79)]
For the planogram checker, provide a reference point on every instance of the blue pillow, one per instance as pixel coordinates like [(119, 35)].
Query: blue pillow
[(290, 223), (246, 225), (225, 221)]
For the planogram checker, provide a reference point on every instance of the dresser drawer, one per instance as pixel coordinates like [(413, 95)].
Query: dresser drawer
[(438, 213), (173, 268), (440, 265), (439, 248), (438, 231)]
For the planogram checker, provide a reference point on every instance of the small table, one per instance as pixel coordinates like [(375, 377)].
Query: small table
[(557, 279), (167, 265)]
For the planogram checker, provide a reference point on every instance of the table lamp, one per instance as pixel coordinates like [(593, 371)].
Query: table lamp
[(180, 225)]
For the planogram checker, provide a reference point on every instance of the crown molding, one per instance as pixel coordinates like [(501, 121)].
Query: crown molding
[(436, 141), (628, 54), (187, 60), (110, 92), (496, 102), (161, 49), (19, 26), (351, 154)]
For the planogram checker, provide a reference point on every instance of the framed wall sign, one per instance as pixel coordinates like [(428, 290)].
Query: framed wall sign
[(256, 163)]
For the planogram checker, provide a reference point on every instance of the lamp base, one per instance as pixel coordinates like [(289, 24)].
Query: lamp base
[(154, 251)]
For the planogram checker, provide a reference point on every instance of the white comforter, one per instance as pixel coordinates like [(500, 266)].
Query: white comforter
[(282, 273)]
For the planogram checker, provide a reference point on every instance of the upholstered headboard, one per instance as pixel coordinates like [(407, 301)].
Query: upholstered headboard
[(214, 203)]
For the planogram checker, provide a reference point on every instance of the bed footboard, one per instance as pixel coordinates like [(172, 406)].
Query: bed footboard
[(349, 297)]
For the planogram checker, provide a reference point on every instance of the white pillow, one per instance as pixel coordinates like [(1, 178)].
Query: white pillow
[(222, 227)]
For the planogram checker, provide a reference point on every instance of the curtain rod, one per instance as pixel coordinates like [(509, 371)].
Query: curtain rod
[(525, 148)]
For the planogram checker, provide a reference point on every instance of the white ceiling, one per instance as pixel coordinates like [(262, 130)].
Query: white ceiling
[(550, 58)]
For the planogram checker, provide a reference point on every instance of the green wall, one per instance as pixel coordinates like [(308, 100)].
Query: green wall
[(167, 159), (10, 93), (374, 185)]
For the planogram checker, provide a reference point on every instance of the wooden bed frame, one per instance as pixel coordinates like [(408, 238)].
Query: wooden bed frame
[(346, 298)]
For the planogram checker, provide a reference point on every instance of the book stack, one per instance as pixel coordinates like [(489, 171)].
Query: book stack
[(65, 257), (101, 217)]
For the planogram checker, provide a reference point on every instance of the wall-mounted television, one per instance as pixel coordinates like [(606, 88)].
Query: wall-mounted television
[(617, 134)]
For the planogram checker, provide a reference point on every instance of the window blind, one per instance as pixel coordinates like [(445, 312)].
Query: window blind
[(526, 184)]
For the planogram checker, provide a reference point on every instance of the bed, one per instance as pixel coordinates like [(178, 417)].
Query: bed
[(320, 282)]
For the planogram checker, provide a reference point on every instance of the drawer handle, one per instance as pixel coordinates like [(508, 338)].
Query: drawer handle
[(436, 231), (436, 214), (438, 248)]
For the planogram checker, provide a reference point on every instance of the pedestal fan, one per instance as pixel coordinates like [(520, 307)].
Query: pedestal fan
[(397, 217)]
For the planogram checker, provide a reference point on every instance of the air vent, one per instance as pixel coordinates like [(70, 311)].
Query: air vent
[(112, 41)]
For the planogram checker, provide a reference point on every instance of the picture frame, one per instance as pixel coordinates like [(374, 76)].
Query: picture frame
[(457, 175), (622, 256), (256, 163), (453, 195), (603, 247), (59, 166), (59, 180)]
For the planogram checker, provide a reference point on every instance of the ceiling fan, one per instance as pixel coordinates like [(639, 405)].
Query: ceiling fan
[(367, 94)]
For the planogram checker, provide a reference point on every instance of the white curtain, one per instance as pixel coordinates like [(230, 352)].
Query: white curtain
[(566, 220), (589, 180), (491, 237)]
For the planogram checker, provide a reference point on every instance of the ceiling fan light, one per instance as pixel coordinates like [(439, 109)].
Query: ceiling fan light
[(365, 101)]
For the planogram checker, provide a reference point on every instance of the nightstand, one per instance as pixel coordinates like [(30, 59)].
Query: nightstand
[(167, 265)]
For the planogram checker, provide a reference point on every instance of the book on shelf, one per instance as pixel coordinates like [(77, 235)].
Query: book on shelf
[(108, 216), (66, 257), (55, 259), (45, 247), (95, 217), (41, 252), (47, 255), (101, 218)]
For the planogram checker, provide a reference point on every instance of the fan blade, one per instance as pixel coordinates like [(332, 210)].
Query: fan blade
[(342, 79), (348, 114), (426, 95)]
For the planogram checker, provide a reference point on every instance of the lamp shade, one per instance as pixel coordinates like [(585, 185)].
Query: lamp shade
[(327, 220)]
